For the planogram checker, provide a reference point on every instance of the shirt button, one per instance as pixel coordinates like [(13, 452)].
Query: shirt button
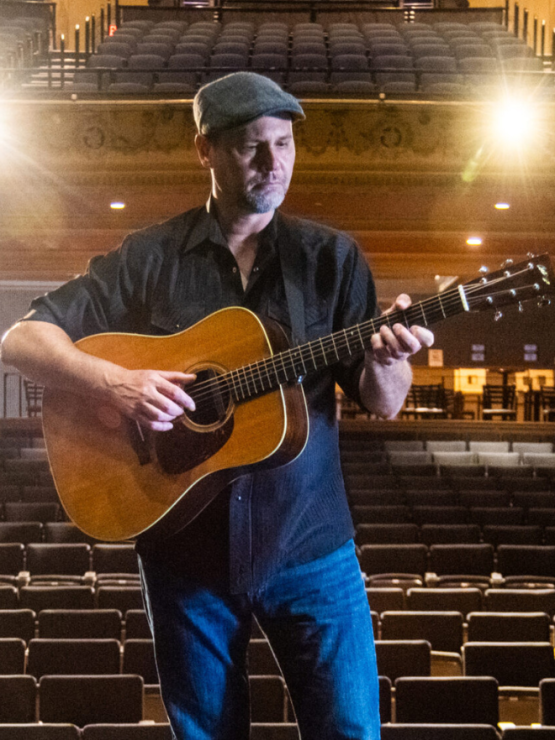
[(234, 270), (255, 269), (239, 498)]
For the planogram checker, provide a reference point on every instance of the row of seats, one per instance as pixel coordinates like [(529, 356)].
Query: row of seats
[(511, 562), (456, 515), (96, 656), (464, 599), (53, 595), (37, 531), (30, 510), (80, 700), (451, 534), (112, 624), (86, 699), (309, 59), (20, 37), (70, 559), (271, 731), (104, 731), (448, 631), (444, 630)]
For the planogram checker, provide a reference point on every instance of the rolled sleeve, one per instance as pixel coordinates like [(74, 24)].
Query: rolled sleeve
[(111, 295)]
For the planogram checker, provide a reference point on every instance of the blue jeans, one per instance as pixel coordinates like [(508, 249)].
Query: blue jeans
[(317, 619)]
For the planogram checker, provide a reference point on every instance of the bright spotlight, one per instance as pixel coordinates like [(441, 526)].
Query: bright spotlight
[(502, 206), (474, 241), (117, 205), (514, 121)]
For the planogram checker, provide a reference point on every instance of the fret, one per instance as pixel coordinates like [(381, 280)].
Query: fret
[(423, 314), (257, 366), (240, 384), (325, 358), (309, 346), (283, 367), (363, 345), (441, 306), (300, 353), (245, 380), (266, 364), (335, 347), (347, 342)]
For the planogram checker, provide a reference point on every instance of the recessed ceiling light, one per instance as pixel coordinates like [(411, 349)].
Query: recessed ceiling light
[(117, 205), (502, 206), (474, 241)]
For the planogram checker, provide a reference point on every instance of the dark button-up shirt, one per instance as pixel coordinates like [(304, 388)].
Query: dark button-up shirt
[(166, 278)]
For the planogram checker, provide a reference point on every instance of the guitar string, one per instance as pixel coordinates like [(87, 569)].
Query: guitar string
[(225, 382)]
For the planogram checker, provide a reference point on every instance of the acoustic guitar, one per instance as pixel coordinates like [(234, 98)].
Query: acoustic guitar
[(117, 480)]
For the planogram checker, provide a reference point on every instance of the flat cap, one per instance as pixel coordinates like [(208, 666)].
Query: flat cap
[(240, 98)]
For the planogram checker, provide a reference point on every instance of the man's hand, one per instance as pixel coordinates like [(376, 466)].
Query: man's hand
[(387, 375), (154, 398), (399, 343)]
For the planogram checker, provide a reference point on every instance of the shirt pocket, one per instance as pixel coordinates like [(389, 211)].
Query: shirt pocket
[(167, 319), (316, 317)]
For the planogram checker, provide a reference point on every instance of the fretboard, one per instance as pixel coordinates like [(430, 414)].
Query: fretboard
[(294, 364)]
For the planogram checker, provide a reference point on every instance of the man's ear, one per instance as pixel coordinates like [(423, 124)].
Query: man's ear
[(203, 150)]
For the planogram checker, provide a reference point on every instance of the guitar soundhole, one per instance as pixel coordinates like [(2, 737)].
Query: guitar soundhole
[(200, 433), (212, 399)]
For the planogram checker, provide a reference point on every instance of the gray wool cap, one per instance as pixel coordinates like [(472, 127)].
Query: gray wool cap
[(240, 98)]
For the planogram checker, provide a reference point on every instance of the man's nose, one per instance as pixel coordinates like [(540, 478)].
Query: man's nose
[(267, 158)]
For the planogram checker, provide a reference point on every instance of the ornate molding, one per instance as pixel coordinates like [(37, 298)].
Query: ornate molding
[(341, 139)]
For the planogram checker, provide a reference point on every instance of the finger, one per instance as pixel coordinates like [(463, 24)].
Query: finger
[(424, 336), (403, 301), (176, 377), (396, 342), (407, 341), (177, 395), (381, 351), (152, 412), (157, 426)]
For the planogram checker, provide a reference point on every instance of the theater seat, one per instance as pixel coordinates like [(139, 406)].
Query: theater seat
[(438, 732), (458, 699), (85, 700), (39, 732), (127, 732)]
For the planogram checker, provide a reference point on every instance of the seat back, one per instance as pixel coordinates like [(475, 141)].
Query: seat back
[(460, 699), (85, 700), (403, 658), (510, 663)]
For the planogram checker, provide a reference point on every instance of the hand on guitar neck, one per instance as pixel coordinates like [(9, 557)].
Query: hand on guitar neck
[(387, 375), (396, 344)]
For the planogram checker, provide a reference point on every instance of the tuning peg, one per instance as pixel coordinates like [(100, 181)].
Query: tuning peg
[(531, 255), (484, 270), (520, 307), (544, 300), (507, 263), (498, 315)]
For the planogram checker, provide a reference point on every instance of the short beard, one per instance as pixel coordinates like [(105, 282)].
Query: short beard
[(262, 202)]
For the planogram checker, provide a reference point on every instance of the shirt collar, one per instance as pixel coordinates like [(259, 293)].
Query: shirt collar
[(207, 228)]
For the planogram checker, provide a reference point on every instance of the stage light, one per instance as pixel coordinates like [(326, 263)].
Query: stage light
[(515, 121), (474, 241), (117, 205), (502, 206)]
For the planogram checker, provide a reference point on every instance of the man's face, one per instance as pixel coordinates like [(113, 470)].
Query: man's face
[(252, 165)]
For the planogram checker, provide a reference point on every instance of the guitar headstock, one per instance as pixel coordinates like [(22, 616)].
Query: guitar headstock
[(512, 284)]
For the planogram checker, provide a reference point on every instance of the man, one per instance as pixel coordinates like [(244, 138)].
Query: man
[(275, 544)]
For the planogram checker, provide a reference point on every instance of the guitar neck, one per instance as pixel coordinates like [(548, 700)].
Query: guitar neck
[(294, 364)]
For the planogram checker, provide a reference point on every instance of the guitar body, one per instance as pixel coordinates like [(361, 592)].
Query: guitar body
[(116, 480)]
